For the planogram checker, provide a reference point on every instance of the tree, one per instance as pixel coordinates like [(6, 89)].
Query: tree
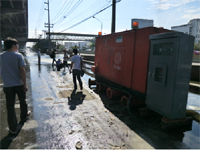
[(84, 48), (197, 46), (59, 46), (72, 47), (37, 45), (92, 46)]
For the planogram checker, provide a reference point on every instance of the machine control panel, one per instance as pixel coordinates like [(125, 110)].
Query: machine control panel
[(163, 49), (169, 70)]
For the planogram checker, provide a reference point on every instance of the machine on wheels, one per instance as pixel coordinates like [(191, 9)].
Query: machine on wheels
[(152, 65)]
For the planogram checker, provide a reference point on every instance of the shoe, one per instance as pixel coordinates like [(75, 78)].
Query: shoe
[(26, 118), (12, 132), (81, 88)]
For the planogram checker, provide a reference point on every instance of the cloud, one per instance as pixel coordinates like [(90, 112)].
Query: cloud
[(193, 10), (191, 16), (167, 4), (191, 13)]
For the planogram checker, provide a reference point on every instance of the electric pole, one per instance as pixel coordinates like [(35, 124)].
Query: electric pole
[(48, 24), (113, 16)]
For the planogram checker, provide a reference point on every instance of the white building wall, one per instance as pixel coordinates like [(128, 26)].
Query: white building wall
[(195, 29), (184, 28), (68, 45), (192, 28)]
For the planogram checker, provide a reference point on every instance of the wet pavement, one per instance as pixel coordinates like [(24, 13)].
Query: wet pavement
[(67, 119)]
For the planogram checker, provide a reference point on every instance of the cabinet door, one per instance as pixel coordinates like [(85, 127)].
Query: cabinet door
[(162, 75)]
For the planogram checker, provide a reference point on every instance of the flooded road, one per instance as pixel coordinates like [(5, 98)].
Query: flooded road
[(191, 138), (62, 118)]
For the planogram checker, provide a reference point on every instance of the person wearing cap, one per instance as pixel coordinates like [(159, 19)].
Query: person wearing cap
[(13, 74), (75, 68)]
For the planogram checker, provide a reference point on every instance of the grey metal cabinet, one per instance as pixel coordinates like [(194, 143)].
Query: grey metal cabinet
[(170, 63)]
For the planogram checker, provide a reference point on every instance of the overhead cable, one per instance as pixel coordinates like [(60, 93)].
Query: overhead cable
[(41, 14), (70, 11), (86, 19), (92, 9), (59, 12)]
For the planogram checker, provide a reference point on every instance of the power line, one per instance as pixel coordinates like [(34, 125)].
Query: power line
[(40, 15), (70, 11), (87, 18), (95, 7), (61, 10)]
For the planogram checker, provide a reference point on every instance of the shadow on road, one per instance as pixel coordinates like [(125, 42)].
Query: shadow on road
[(6, 141), (148, 129), (75, 99)]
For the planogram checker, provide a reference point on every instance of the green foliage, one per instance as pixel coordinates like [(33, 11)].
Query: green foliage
[(92, 46), (84, 48), (36, 45), (197, 46), (72, 47), (59, 46)]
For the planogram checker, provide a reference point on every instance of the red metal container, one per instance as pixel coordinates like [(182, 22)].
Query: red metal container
[(122, 58)]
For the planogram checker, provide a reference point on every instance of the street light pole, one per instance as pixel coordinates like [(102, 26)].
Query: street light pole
[(99, 21)]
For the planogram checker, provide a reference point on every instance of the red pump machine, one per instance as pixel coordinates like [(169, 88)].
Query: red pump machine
[(123, 60)]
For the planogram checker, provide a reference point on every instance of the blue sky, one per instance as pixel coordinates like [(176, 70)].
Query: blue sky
[(165, 13)]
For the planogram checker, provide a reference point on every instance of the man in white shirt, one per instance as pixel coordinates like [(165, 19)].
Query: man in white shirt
[(75, 68)]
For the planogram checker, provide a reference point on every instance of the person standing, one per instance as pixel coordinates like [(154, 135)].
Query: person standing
[(39, 56), (65, 58), (13, 74), (54, 56), (75, 68)]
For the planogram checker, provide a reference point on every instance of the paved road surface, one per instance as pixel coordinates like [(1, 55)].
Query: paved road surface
[(62, 118)]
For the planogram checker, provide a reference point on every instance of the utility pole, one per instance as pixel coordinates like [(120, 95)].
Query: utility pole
[(35, 33), (113, 16), (48, 24), (44, 33)]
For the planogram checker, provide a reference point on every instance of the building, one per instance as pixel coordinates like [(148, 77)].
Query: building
[(68, 45), (142, 23), (192, 28)]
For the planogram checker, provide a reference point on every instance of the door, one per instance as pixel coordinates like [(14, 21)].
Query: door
[(161, 75)]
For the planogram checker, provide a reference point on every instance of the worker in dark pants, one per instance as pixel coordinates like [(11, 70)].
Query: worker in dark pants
[(13, 74), (76, 62), (54, 56), (39, 57)]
